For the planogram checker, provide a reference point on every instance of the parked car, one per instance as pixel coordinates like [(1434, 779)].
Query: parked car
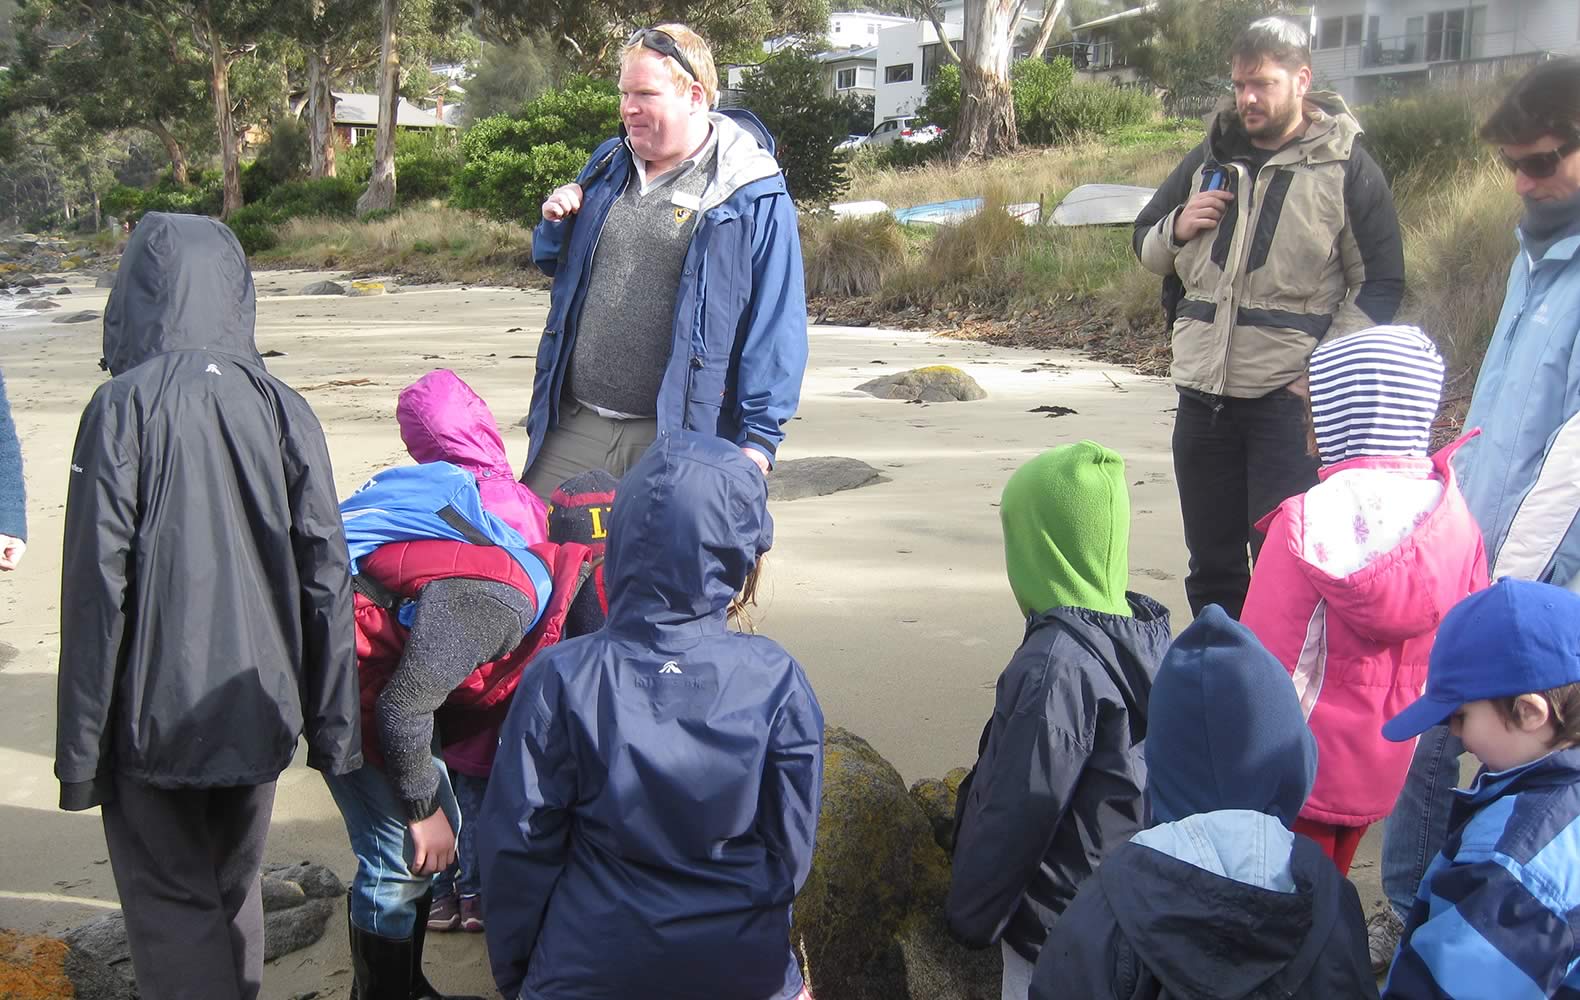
[(851, 144), (905, 128)]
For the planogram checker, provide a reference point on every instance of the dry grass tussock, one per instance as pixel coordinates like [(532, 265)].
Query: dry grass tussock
[(851, 257), (1458, 245), (429, 242), (1047, 174)]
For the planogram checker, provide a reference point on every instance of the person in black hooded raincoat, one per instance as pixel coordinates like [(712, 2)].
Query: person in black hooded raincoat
[(205, 608), (1219, 899)]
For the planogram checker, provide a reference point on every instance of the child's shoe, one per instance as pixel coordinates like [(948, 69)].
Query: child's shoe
[(445, 915), (1382, 937), (472, 914)]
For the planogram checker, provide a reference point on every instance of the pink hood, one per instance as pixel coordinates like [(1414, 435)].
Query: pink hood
[(443, 420), (1356, 644)]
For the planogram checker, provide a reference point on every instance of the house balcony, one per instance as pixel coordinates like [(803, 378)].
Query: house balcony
[(1422, 51)]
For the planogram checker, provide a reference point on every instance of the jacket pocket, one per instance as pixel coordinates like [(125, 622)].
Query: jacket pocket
[(706, 382)]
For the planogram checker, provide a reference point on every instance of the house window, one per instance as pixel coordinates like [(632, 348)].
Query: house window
[(933, 57), (872, 29), (1330, 33), (902, 73), (846, 79), (1337, 32)]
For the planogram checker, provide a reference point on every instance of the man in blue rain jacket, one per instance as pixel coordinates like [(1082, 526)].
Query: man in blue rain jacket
[(678, 299)]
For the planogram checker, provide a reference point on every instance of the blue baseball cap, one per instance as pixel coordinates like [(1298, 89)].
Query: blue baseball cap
[(1516, 637)]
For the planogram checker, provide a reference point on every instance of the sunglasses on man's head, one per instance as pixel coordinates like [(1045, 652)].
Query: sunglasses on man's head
[(1539, 166), (664, 44)]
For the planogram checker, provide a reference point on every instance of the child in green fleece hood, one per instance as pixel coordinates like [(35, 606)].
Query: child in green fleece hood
[(1059, 776), (1066, 517)]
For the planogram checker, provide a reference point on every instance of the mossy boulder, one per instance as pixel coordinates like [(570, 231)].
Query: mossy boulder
[(932, 384), (936, 798), (360, 289), (33, 967), (869, 922)]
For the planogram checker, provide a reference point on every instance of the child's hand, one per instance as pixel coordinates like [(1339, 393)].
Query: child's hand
[(11, 550), (433, 844)]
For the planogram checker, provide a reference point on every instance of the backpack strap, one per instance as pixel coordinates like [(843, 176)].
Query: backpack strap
[(375, 591), (466, 529)]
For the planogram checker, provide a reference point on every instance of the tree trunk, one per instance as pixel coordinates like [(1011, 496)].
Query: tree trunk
[(381, 185), (987, 106), (1045, 33), (229, 148), (320, 112), (178, 156), (98, 216)]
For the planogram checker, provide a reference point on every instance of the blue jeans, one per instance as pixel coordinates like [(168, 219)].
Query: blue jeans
[(462, 878), (384, 892), (1414, 833)]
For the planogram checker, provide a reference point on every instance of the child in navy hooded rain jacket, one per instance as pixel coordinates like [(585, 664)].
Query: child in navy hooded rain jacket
[(654, 800)]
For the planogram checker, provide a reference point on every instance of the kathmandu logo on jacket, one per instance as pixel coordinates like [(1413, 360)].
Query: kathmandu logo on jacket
[(213, 370), (670, 668)]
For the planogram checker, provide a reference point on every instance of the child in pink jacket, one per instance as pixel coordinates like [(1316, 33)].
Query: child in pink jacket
[(1357, 573), (443, 420)]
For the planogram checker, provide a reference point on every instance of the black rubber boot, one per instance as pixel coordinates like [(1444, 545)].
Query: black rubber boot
[(421, 989), (380, 966)]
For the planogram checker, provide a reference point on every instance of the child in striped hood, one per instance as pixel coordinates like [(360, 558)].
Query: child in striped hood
[(1357, 572)]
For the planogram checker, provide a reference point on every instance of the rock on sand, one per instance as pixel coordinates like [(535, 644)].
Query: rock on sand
[(933, 384)]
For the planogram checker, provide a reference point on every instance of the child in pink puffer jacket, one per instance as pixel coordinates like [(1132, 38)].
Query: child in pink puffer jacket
[(443, 420), (1357, 573)]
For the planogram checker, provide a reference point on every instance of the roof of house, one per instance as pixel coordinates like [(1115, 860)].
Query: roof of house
[(1123, 15), (363, 110), (868, 53)]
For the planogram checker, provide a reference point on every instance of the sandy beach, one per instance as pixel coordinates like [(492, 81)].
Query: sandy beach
[(893, 596)]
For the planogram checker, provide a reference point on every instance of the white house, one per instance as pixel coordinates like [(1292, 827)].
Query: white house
[(1096, 50), (910, 54), (846, 29), (1365, 48), (357, 116), (851, 72)]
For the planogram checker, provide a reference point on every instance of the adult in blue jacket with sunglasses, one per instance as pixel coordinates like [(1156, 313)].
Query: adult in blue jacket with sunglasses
[(1521, 476), (678, 299)]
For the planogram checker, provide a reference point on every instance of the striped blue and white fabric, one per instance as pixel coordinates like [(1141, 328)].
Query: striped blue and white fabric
[(1495, 916), (1375, 393)]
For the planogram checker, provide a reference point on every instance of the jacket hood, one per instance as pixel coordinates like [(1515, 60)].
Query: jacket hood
[(1066, 520), (1225, 730), (1206, 934), (691, 522), (1331, 136), (742, 160), (183, 285), (443, 420), (1405, 591)]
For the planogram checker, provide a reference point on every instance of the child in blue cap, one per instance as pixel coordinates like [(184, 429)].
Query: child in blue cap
[(1494, 915)]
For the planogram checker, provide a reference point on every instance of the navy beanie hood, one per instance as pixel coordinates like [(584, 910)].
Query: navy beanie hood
[(1224, 727)]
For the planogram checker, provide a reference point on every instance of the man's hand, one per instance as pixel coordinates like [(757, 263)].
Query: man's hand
[(433, 844), (1203, 212), (11, 550), (563, 203), (758, 457)]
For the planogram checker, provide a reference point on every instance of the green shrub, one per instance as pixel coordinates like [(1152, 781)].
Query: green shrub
[(1095, 109), (331, 196), (426, 163), (899, 155), (513, 162), (787, 93), (1037, 86), (1428, 136), (942, 107), (254, 228)]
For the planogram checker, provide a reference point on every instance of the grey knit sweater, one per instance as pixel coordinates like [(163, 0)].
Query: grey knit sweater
[(460, 624)]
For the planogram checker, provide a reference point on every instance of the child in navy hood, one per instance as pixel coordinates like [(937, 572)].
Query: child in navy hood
[(654, 800), (1220, 899)]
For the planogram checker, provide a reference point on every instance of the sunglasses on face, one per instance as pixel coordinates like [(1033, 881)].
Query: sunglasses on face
[(1539, 166), (664, 44)]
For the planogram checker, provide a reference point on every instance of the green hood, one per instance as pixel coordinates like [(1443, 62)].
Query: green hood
[(1066, 517)]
